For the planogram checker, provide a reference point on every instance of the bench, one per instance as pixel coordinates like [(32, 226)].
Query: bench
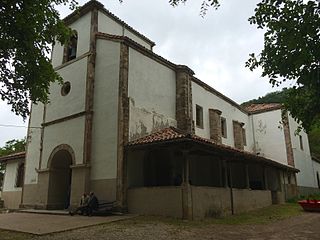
[(105, 208)]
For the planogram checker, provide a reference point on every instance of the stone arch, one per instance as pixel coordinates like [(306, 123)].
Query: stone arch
[(60, 176), (65, 147)]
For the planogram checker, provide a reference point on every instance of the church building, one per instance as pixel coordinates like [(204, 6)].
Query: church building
[(140, 130)]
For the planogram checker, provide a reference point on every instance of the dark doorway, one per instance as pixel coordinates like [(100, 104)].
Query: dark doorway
[(60, 180)]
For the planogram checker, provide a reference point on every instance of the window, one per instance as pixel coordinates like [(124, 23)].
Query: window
[(65, 89), (199, 116), (70, 50), (223, 127), (20, 174), (301, 142), (318, 179), (244, 138)]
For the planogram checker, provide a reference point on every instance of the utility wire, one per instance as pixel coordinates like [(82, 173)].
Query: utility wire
[(17, 126)]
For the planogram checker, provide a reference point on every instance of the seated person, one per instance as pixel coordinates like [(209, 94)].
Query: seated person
[(83, 206), (93, 203)]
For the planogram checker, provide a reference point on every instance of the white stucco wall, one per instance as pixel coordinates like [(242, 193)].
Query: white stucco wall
[(269, 136), (316, 167), (33, 144), (82, 26), (207, 100), (74, 102), (302, 157), (152, 93), (105, 119), (11, 176), (108, 25), (69, 132)]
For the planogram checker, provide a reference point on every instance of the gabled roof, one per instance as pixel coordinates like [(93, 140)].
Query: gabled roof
[(89, 6), (263, 107), (13, 156), (172, 134)]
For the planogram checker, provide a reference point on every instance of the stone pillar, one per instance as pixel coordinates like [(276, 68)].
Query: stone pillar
[(123, 127), (43, 188), (215, 125), (79, 183), (287, 139), (237, 135), (184, 115)]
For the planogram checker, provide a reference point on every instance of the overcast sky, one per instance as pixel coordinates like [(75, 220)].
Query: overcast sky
[(215, 47)]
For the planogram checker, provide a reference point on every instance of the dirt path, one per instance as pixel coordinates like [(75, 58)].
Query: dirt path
[(305, 226)]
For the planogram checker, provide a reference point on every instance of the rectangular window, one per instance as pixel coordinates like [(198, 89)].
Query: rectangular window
[(199, 116), (301, 142), (223, 127), (244, 138)]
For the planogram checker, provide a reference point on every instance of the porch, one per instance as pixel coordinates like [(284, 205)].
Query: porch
[(173, 174)]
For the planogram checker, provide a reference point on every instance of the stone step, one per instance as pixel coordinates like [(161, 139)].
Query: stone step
[(40, 211)]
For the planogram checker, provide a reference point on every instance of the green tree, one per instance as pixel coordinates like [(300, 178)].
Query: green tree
[(27, 30), (291, 53), (13, 146)]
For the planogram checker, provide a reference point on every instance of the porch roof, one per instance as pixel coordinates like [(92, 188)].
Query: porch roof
[(174, 135), (13, 156)]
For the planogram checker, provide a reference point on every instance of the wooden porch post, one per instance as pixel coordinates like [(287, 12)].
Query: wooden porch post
[(246, 168), (186, 189), (265, 178)]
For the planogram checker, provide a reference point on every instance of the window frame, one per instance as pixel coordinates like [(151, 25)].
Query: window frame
[(71, 44), (199, 116)]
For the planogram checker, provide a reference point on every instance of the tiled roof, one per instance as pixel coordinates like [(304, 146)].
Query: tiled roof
[(174, 134), (263, 107), (14, 156), (162, 135)]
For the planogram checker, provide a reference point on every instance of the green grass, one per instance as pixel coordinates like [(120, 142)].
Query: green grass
[(261, 216)]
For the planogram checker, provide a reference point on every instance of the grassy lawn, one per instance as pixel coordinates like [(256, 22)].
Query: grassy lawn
[(261, 216)]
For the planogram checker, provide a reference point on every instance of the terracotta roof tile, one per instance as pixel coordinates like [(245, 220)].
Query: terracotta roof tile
[(162, 135), (171, 133), (263, 107)]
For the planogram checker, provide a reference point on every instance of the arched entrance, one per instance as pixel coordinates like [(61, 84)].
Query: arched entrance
[(60, 176)]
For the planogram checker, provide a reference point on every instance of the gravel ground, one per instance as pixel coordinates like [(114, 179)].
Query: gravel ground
[(305, 226)]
